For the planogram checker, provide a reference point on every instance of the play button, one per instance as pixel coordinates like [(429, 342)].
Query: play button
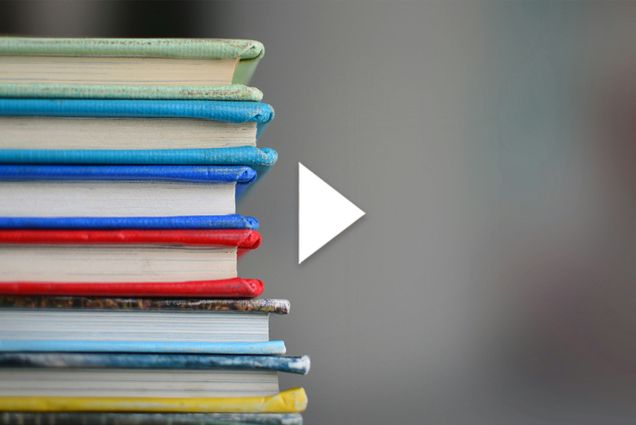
[(323, 213)]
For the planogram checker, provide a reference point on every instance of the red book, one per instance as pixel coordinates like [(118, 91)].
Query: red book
[(159, 263)]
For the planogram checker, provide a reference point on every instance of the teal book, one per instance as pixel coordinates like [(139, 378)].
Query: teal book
[(150, 132), (128, 68)]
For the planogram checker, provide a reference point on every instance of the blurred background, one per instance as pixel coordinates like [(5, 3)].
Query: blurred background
[(493, 147)]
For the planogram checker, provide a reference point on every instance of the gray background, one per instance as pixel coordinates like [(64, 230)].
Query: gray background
[(444, 122)]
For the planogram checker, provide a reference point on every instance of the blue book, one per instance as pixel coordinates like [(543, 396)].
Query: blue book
[(139, 325), (116, 191), (290, 364), (168, 132)]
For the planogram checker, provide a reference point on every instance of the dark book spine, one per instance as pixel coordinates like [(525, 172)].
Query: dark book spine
[(290, 364)]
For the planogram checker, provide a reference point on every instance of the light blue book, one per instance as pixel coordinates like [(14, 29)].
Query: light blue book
[(117, 131), (139, 325)]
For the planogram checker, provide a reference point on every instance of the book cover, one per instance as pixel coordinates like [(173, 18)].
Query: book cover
[(176, 173), (261, 305), (106, 418), (240, 238), (86, 91), (289, 364), (288, 401), (183, 347), (224, 111), (230, 221), (259, 159), (237, 287)]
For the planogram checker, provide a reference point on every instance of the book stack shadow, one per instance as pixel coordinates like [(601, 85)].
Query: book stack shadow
[(121, 165)]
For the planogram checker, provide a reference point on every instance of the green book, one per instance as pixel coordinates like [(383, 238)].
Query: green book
[(126, 68)]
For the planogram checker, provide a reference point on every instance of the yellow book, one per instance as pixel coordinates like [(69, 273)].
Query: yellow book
[(289, 401)]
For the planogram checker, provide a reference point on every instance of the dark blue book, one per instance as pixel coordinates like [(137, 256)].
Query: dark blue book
[(290, 364), (119, 191)]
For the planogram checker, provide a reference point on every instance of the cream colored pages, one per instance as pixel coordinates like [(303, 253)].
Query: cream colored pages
[(112, 263), (114, 199), (157, 326), (122, 133), (137, 382), (116, 71)]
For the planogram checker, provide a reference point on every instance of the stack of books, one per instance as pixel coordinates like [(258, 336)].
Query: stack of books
[(121, 161)]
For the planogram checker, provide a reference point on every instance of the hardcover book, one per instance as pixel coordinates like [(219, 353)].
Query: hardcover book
[(126, 262), (147, 375), (138, 325), (121, 190), (134, 132), (128, 68)]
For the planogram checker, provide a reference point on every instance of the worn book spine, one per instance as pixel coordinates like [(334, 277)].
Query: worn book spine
[(290, 364), (289, 401), (183, 48), (222, 288), (261, 305), (105, 418), (236, 92)]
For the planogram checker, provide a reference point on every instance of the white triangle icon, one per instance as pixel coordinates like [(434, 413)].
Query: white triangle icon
[(323, 213)]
